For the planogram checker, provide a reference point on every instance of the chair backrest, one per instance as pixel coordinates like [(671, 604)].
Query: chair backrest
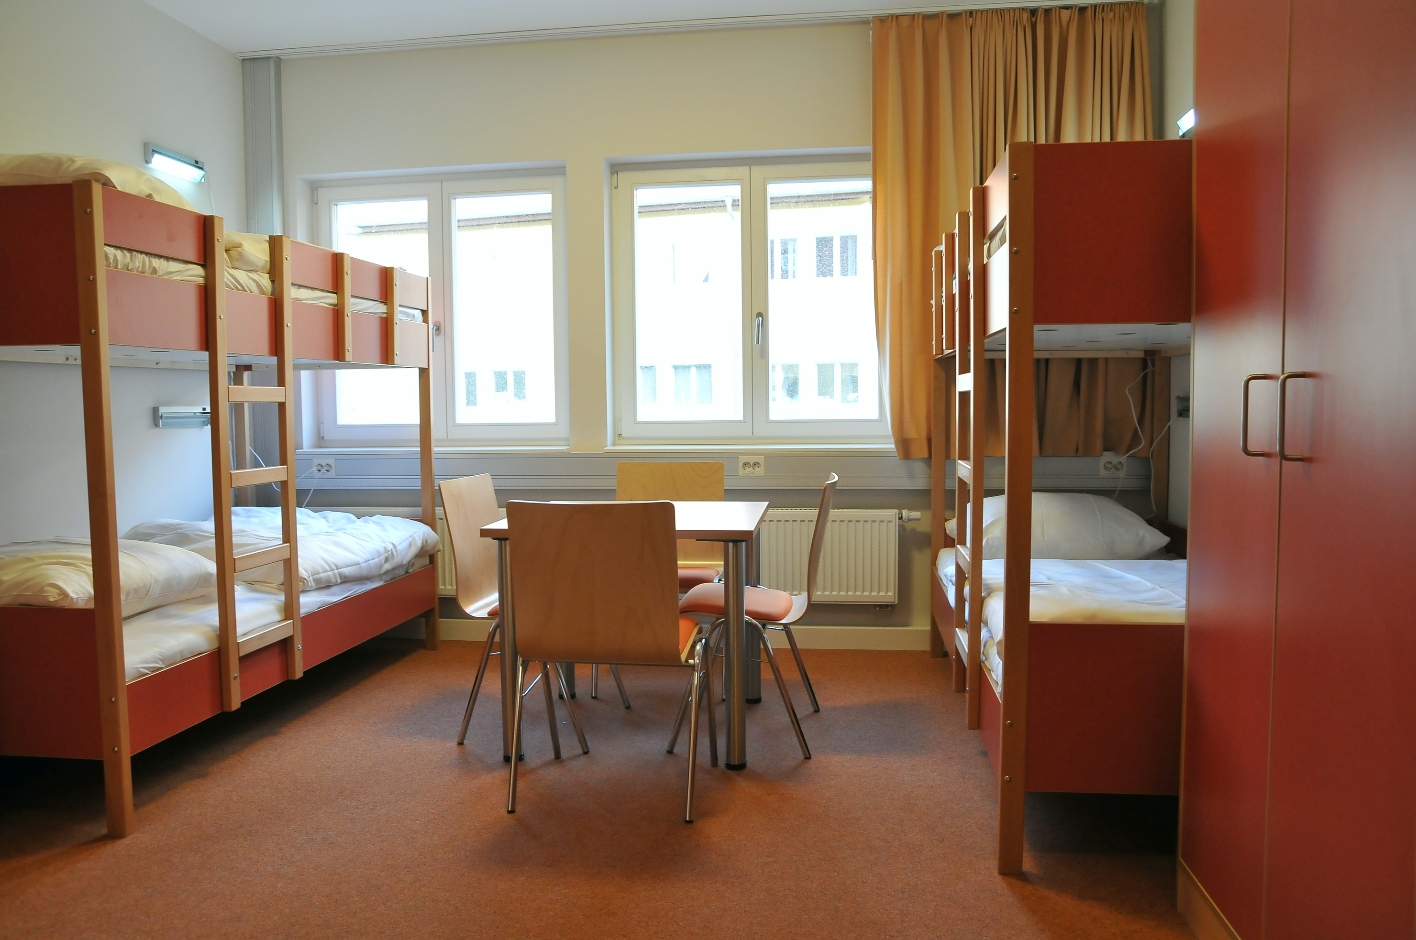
[(641, 480), (818, 534), (469, 504), (595, 582)]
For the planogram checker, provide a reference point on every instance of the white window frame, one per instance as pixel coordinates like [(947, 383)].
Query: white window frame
[(756, 427), (440, 192)]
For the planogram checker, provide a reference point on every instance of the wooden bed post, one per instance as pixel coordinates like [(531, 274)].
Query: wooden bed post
[(980, 400), (428, 479), (345, 350), (221, 463), (102, 506), (1017, 564), (241, 436), (285, 366)]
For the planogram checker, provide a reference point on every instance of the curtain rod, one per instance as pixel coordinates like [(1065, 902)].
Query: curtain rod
[(755, 21)]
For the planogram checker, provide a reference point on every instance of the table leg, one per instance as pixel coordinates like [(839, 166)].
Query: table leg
[(735, 669), (752, 682), (508, 646)]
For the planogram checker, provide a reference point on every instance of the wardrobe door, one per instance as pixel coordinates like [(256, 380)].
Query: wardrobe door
[(1342, 850), (1240, 97)]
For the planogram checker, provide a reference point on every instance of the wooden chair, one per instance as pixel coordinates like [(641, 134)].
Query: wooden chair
[(596, 582), (768, 609), (699, 562)]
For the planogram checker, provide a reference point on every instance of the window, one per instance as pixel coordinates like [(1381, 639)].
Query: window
[(493, 250), (708, 295)]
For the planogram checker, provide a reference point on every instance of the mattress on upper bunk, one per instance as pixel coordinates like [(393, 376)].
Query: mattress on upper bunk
[(248, 281)]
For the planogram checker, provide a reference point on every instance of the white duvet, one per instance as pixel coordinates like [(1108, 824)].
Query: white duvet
[(332, 547), (1070, 591)]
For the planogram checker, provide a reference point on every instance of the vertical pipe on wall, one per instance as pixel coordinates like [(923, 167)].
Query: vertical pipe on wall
[(265, 159)]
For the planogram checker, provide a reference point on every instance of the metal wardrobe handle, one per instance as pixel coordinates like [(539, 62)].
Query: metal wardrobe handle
[(1283, 413), (757, 331), (1244, 415)]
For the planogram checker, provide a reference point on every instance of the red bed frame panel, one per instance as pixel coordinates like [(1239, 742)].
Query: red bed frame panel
[(1112, 229), (37, 262), (49, 671)]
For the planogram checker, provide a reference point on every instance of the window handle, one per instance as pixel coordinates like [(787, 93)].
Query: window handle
[(757, 331), (1283, 412), (1244, 415), (436, 331)]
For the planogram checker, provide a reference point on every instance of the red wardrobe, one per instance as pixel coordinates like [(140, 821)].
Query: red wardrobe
[(1298, 803)]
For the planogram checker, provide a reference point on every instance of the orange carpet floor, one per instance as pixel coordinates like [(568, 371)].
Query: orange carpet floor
[(339, 806)]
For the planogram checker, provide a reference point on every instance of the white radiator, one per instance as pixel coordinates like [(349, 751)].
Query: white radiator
[(860, 562)]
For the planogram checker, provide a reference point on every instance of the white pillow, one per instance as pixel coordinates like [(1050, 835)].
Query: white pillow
[(37, 169), (1072, 525), (59, 573)]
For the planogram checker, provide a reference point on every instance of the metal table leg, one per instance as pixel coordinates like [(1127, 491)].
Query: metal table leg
[(752, 683), (508, 646), (735, 670)]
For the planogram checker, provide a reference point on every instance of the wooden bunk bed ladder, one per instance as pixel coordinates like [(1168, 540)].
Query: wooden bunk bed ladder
[(225, 479)]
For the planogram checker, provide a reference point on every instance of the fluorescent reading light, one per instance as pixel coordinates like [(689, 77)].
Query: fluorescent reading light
[(181, 416), (175, 164), (1186, 123)]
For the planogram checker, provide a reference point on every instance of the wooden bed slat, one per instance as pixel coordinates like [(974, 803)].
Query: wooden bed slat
[(41, 302), (266, 556), (313, 266), (271, 634)]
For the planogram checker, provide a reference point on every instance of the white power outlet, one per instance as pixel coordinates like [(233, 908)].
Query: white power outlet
[(752, 466), (324, 468), (1112, 465)]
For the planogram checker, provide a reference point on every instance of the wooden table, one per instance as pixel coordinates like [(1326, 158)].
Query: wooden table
[(732, 523)]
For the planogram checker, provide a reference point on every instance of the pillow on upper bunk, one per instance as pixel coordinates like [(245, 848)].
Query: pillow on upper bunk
[(247, 252), (1072, 525), (38, 169), (59, 573)]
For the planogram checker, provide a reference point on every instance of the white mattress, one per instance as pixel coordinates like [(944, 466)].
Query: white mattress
[(164, 637), (251, 282), (1069, 591)]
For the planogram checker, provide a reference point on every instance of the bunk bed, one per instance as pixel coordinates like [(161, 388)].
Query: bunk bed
[(1067, 250), (95, 273)]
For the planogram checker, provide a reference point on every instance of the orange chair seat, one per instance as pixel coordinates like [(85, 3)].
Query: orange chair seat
[(687, 627), (762, 604), (691, 577)]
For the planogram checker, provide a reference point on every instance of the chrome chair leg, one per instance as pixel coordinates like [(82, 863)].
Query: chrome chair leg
[(570, 707), (551, 708), (801, 668), (477, 682), (683, 710), (693, 687), (624, 696), (515, 738), (594, 680), (782, 687)]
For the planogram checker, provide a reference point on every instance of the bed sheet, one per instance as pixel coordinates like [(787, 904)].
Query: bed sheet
[(164, 637), (1070, 591)]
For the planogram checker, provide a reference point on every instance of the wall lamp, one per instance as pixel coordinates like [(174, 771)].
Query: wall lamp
[(166, 160), (1186, 123), (181, 416)]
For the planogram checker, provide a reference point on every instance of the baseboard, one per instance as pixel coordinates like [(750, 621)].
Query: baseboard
[(1198, 909), (807, 637)]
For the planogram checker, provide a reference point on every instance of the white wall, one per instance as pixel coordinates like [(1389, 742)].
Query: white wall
[(100, 78), (161, 473), (586, 103), (1179, 58)]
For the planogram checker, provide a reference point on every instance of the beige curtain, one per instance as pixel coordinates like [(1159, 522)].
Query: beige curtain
[(922, 140), (949, 93)]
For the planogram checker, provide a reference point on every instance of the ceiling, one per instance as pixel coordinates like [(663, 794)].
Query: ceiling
[(313, 27)]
